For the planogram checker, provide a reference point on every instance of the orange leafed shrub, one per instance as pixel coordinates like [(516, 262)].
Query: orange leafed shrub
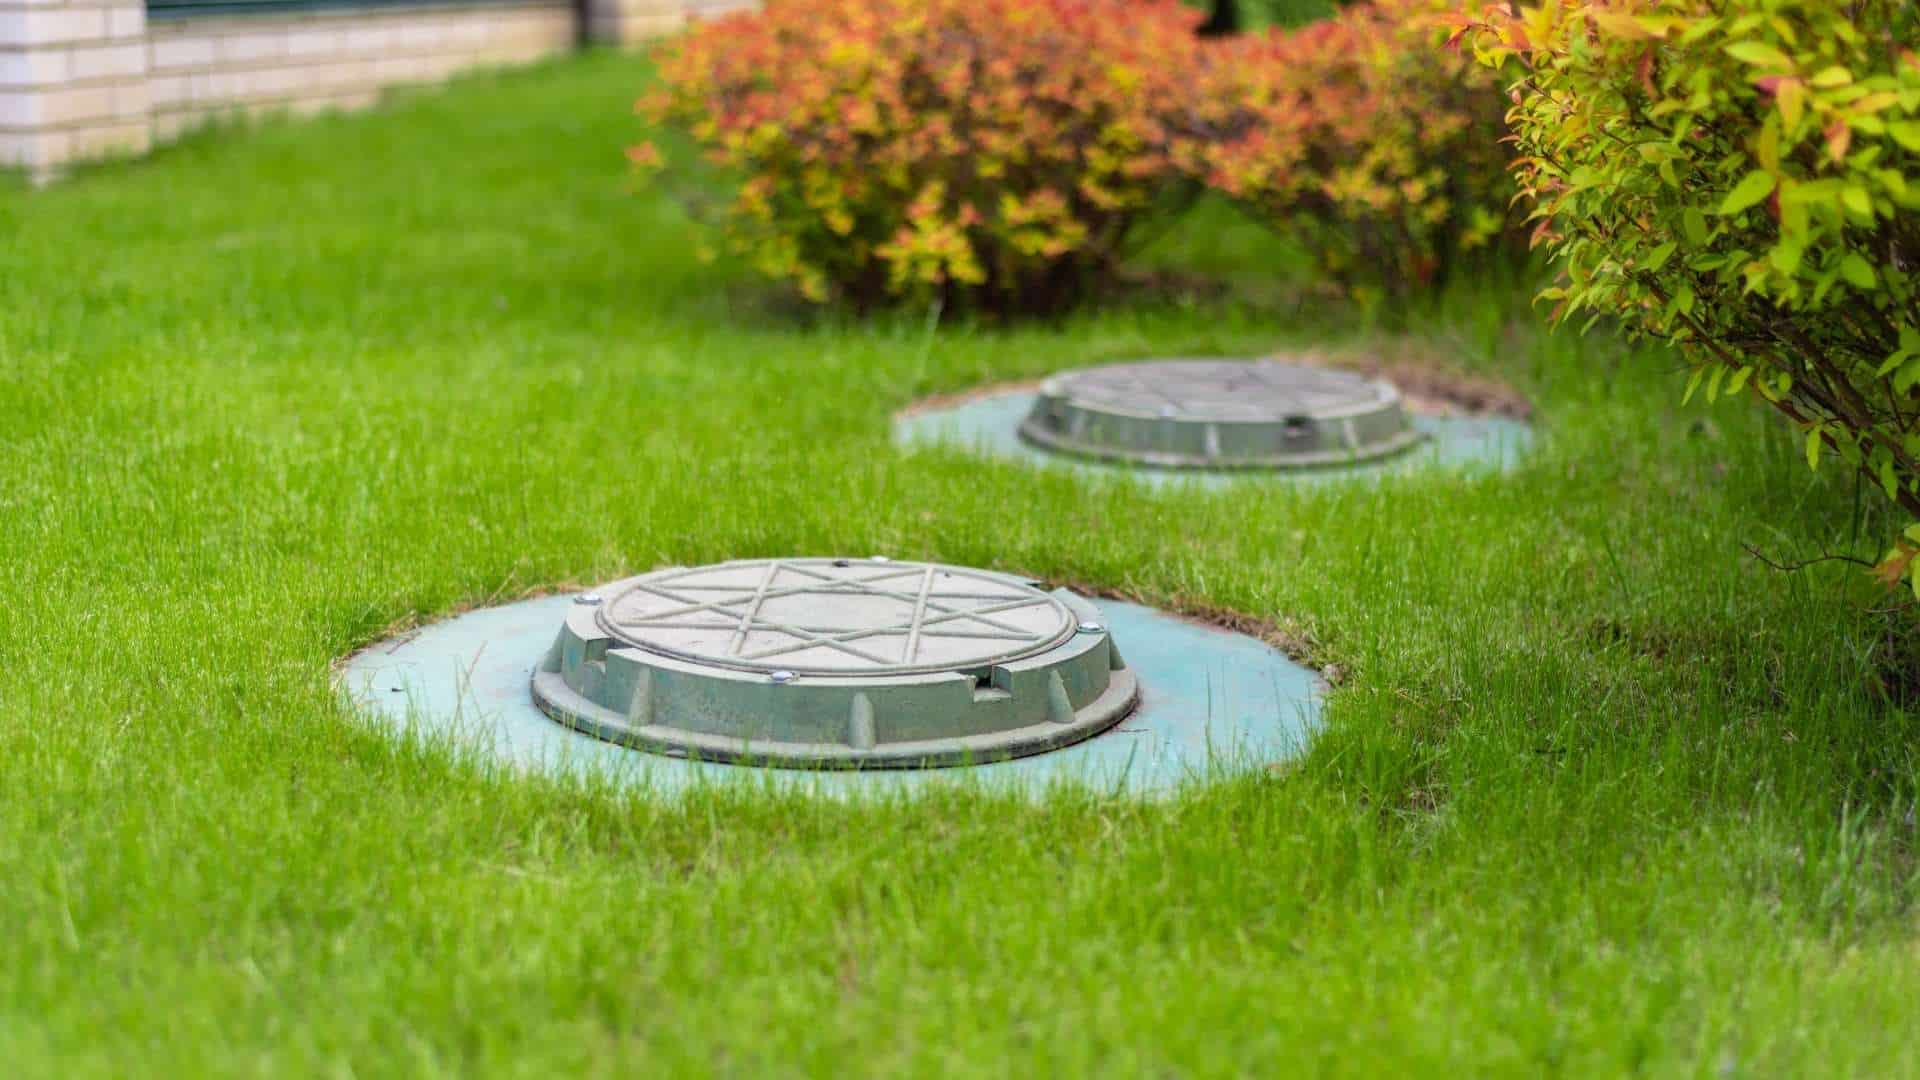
[(991, 153), (1365, 136)]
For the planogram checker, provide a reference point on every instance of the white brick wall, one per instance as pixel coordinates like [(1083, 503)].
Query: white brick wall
[(200, 68), (90, 62), (629, 22), (58, 26), (38, 68), (166, 51), (75, 73), (126, 22), (85, 78)]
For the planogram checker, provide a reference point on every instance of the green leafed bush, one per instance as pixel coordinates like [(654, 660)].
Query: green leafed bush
[(1741, 177)]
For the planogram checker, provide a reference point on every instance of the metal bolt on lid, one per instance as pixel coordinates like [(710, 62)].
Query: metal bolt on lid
[(1220, 414), (835, 662)]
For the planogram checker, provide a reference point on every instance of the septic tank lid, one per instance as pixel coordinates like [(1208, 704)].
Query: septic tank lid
[(1220, 414), (820, 662)]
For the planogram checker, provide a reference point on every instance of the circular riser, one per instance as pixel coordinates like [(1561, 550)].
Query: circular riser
[(835, 662), (1220, 414)]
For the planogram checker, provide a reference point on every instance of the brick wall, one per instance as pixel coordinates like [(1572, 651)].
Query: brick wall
[(626, 22), (72, 80), (203, 68), (88, 78)]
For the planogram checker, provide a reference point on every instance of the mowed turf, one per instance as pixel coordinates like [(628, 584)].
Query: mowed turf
[(1598, 792)]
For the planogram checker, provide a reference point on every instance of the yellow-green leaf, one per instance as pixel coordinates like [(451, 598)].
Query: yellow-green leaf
[(1857, 271), (1759, 54), (1766, 149), (1694, 224), (1792, 95), (1625, 27), (1757, 185)]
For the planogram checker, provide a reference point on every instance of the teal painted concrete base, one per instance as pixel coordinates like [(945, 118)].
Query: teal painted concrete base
[(1212, 702), (990, 425)]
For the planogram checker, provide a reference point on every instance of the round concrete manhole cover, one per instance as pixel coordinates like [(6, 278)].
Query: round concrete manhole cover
[(822, 662), (1220, 414)]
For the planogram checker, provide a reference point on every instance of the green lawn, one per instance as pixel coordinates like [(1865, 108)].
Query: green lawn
[(1600, 793)]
